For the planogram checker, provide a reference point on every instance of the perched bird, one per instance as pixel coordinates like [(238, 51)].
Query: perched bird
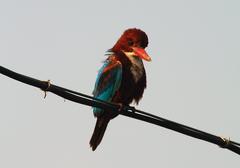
[(122, 78)]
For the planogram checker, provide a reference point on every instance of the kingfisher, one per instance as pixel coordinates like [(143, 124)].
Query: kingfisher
[(121, 79)]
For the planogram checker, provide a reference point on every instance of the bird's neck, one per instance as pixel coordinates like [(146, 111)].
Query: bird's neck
[(134, 63)]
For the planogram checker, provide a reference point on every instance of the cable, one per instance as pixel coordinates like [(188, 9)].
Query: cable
[(128, 111)]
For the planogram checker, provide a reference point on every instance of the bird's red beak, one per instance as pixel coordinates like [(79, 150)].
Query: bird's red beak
[(141, 53)]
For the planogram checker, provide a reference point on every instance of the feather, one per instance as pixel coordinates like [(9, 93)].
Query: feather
[(108, 82)]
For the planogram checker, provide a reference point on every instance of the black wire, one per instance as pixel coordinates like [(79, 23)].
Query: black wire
[(235, 143), (132, 109), (124, 110), (204, 135)]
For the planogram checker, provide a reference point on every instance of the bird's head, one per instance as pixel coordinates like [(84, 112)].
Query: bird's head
[(132, 43)]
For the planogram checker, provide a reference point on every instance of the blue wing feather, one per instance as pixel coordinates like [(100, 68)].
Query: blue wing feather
[(108, 82)]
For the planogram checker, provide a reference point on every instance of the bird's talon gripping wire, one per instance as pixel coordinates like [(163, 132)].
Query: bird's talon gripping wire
[(45, 90), (120, 108), (131, 109), (127, 108)]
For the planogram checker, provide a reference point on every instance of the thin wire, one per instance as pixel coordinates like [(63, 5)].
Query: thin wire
[(235, 143), (83, 95)]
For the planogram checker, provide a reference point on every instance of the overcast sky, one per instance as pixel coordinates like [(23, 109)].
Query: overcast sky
[(194, 79)]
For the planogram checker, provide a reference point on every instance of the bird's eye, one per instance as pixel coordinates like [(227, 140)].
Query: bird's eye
[(130, 42)]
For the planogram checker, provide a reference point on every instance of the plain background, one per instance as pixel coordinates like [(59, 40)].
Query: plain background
[(193, 79)]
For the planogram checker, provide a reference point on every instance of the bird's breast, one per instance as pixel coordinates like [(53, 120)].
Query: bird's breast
[(133, 81), (137, 68)]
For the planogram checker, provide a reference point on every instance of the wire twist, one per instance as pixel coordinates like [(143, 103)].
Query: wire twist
[(226, 142), (47, 89)]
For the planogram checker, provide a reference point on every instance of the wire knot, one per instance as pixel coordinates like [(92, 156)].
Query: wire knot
[(48, 86), (226, 142)]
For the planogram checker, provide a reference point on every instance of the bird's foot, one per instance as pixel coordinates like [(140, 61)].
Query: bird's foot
[(131, 109), (125, 108), (120, 106)]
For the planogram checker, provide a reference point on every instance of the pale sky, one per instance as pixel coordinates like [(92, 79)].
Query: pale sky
[(193, 79)]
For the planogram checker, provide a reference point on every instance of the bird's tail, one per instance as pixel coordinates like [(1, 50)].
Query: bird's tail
[(99, 131)]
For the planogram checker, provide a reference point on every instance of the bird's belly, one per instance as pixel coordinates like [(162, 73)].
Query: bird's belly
[(126, 94)]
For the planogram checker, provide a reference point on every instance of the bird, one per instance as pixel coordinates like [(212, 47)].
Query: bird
[(121, 79)]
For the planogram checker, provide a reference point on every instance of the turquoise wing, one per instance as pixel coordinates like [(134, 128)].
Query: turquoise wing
[(108, 82)]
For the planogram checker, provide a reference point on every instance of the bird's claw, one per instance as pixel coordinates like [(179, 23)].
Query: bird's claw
[(120, 106)]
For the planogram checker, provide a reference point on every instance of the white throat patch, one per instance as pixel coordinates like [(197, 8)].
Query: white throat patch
[(137, 68)]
